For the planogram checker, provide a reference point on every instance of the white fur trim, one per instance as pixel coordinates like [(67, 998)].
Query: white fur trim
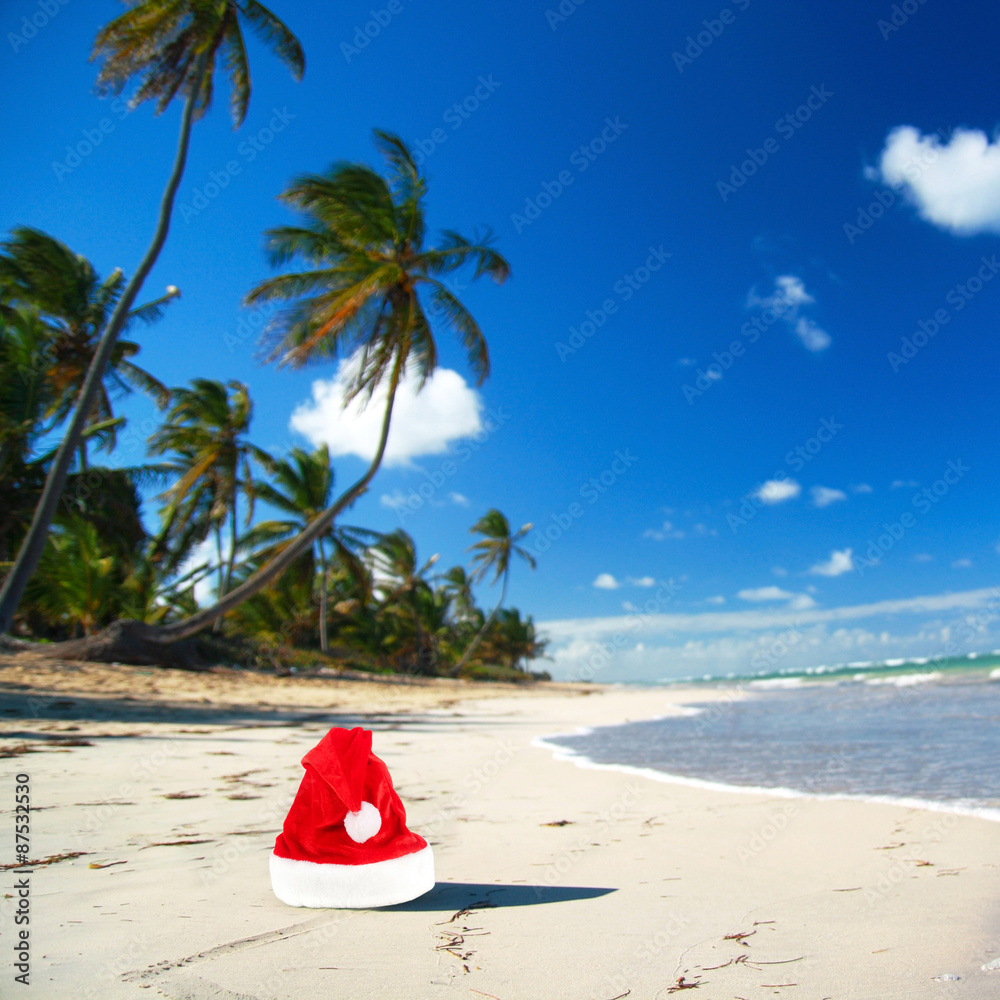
[(363, 824), (355, 887)]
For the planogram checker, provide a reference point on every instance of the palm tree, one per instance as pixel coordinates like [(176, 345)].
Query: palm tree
[(457, 587), (363, 237), (170, 48), (404, 586), (494, 552), (302, 488), (206, 429), (40, 272), (25, 397), (513, 640)]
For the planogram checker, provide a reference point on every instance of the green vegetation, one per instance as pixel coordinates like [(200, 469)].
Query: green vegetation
[(81, 566)]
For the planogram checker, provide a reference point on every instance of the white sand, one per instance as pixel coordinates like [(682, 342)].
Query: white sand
[(646, 883)]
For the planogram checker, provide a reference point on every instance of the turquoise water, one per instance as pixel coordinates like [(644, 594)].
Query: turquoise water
[(911, 730)]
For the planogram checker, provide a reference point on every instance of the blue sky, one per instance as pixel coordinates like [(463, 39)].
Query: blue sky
[(809, 183)]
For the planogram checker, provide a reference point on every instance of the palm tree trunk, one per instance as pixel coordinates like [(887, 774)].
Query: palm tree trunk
[(486, 624), (34, 542), (301, 543), (231, 562), (324, 641), (221, 571)]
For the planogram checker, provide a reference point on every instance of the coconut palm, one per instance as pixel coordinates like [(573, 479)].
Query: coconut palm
[(494, 553), (513, 641), (370, 275), (404, 588), (457, 587), (363, 296), (206, 430), (38, 271), (301, 487), (25, 397), (168, 48)]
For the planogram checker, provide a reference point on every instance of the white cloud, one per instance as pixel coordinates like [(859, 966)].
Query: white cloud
[(954, 185), (687, 362), (605, 581), (717, 641), (814, 337), (642, 581), (779, 571), (718, 599), (764, 594), (667, 530), (903, 484), (777, 490), (823, 496), (962, 564), (423, 423), (397, 500), (786, 301), (861, 488), (800, 602), (838, 563), (394, 501)]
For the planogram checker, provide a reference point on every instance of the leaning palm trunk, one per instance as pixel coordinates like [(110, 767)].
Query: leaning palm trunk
[(324, 641), (479, 635), (134, 641), (34, 542)]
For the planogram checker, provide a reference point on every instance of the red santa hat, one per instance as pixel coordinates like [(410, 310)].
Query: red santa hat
[(345, 843)]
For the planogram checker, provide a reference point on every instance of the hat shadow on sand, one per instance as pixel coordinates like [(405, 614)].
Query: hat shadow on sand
[(484, 895)]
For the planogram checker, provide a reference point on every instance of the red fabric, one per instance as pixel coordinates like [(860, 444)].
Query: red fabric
[(341, 773)]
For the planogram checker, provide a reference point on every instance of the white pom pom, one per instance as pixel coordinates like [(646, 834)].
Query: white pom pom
[(363, 824)]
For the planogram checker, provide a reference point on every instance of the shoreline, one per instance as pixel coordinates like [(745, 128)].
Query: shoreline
[(567, 881)]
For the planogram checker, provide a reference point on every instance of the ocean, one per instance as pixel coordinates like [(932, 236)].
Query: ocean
[(918, 732)]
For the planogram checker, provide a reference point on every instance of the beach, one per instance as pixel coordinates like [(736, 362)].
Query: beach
[(156, 797)]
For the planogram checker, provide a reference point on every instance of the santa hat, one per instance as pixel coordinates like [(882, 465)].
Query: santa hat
[(345, 843)]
